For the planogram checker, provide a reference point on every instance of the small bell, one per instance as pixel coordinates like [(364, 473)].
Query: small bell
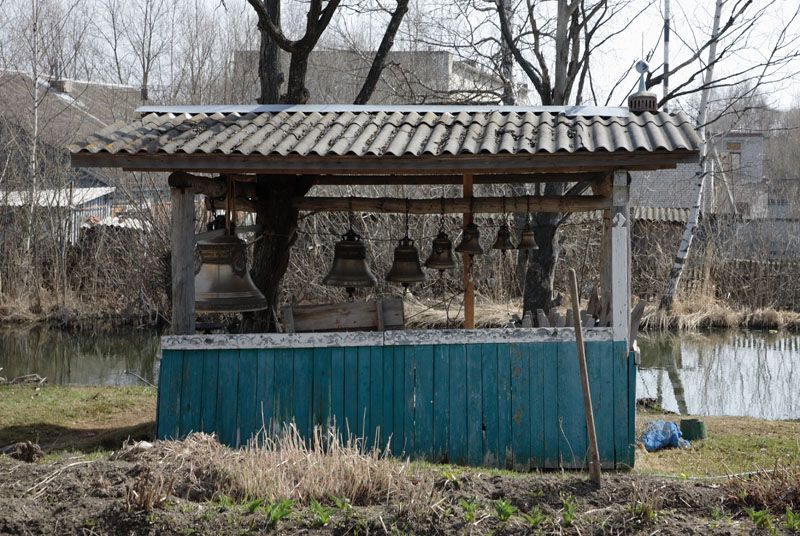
[(349, 267), (527, 239), (406, 268), (470, 241), (503, 240), (441, 257), (222, 283)]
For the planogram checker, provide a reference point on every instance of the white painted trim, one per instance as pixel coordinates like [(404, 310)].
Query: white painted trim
[(620, 257), (386, 338)]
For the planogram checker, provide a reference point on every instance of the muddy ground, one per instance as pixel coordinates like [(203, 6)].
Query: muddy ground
[(86, 496)]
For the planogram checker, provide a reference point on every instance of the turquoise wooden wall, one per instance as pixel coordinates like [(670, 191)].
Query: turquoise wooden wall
[(507, 405)]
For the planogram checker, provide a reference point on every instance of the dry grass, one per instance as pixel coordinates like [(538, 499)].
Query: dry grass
[(776, 490), (431, 315), (706, 312), (285, 467)]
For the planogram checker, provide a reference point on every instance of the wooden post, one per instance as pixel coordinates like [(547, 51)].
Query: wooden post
[(594, 453), (616, 257), (182, 245), (469, 287)]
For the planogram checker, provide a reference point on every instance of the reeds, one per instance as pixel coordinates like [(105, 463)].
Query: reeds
[(706, 312), (285, 466)]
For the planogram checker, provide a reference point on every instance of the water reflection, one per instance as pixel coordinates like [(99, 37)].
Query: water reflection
[(727, 373), (79, 359)]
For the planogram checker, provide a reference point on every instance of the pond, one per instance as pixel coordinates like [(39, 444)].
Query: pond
[(754, 374), (107, 358), (721, 373)]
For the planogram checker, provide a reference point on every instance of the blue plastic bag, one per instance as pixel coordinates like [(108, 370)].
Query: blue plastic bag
[(662, 434)]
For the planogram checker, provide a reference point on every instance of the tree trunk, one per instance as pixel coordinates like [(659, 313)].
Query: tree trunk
[(684, 248), (538, 293), (269, 67), (271, 253)]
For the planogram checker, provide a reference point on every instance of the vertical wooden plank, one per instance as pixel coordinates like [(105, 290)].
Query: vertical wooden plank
[(227, 396), (283, 406), (387, 362), (550, 395), (321, 396), (458, 404), (208, 415), (620, 364), (398, 402), (191, 395), (350, 423), (520, 407), (303, 387), (489, 397), (601, 384), (362, 411), (338, 383), (474, 405), (247, 407), (504, 444), (441, 401), (170, 377), (182, 258), (536, 353), (572, 443), (377, 432), (423, 403), (631, 458), (409, 426), (265, 386)]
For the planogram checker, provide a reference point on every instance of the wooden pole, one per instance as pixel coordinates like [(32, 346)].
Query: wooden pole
[(469, 287), (594, 453), (473, 205), (182, 261)]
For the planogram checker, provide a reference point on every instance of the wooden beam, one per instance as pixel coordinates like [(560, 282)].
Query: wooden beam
[(616, 257), (491, 205), (370, 165), (422, 180), (469, 286), (182, 261)]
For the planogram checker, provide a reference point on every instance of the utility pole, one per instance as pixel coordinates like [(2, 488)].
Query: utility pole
[(666, 54)]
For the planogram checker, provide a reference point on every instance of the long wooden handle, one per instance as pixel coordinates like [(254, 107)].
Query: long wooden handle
[(594, 454)]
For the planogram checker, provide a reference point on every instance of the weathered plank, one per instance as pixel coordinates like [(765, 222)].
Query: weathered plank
[(363, 383), (601, 382), (227, 397), (265, 385), (423, 408), (551, 394), (474, 405), (191, 395), (337, 390), (621, 417), (377, 430), (284, 388), (322, 391), (458, 405), (247, 407), (520, 407), (387, 402), (504, 448), (489, 399), (399, 442), (572, 441), (208, 414), (350, 423), (441, 401), (169, 394), (536, 361)]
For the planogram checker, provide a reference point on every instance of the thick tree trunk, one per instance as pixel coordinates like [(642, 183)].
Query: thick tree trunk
[(538, 293), (271, 253), (269, 70)]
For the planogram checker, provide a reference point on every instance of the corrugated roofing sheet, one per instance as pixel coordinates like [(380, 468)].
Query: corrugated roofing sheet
[(653, 214), (67, 197), (392, 133)]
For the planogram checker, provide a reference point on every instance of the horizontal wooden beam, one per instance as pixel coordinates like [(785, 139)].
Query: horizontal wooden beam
[(371, 165), (422, 180), (492, 205)]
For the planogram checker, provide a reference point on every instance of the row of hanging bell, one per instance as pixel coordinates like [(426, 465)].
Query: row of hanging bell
[(470, 241)]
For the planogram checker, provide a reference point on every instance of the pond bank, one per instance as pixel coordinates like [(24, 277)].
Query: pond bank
[(197, 486)]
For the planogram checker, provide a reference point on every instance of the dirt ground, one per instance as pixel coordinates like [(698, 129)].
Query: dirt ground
[(85, 496)]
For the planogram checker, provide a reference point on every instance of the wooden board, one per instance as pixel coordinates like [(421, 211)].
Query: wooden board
[(510, 405), (365, 316)]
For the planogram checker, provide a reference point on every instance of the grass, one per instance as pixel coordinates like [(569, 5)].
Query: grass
[(734, 445), (75, 418)]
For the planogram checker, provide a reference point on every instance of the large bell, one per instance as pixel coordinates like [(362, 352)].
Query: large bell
[(222, 283), (470, 241), (406, 268), (441, 257), (349, 267), (503, 240), (527, 239)]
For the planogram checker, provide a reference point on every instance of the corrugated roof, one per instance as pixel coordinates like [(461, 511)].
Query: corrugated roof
[(653, 214), (300, 132), (67, 197)]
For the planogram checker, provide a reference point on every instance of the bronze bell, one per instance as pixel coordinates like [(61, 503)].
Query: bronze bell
[(222, 283), (470, 241), (441, 257), (349, 267), (503, 240), (527, 239), (406, 268)]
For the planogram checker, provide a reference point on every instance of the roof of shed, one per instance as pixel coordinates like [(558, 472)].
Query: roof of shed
[(65, 197), (272, 136)]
